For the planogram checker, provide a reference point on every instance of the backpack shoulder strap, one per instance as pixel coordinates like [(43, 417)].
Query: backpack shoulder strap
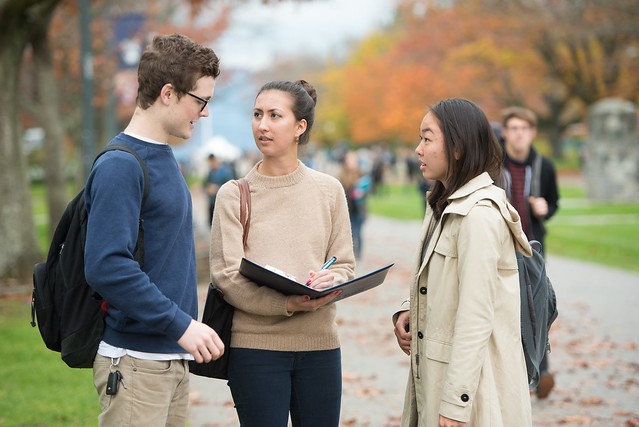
[(535, 184), (139, 250), (122, 147)]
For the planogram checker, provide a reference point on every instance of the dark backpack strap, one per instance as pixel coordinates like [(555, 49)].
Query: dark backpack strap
[(145, 172), (139, 247), (535, 182)]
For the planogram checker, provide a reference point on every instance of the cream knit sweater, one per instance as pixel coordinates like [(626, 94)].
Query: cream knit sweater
[(298, 221)]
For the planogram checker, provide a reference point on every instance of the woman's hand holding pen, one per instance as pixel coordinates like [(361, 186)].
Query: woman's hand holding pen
[(322, 279)]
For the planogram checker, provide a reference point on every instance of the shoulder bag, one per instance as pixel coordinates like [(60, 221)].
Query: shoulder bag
[(218, 313)]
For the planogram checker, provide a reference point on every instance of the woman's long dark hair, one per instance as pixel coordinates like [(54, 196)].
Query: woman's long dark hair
[(468, 134)]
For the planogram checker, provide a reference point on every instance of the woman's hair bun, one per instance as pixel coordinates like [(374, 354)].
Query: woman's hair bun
[(309, 89)]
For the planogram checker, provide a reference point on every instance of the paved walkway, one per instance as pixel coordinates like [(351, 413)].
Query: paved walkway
[(595, 344)]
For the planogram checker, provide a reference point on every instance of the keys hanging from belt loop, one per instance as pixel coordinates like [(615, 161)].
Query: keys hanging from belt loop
[(115, 378)]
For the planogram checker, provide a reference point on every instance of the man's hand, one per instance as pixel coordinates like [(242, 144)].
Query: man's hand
[(402, 331), (538, 206), (305, 303), (202, 342)]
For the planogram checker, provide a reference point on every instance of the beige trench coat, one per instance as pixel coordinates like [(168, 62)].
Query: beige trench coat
[(467, 360)]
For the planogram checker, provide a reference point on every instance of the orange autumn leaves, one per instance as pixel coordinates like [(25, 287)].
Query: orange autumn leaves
[(494, 53)]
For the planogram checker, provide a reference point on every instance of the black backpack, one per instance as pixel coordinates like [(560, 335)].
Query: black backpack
[(70, 313), (538, 309)]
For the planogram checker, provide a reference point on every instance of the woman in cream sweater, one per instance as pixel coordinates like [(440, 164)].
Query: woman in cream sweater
[(284, 356)]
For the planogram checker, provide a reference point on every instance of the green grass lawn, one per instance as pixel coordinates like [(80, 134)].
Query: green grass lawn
[(596, 232), (38, 389), (604, 233), (398, 202)]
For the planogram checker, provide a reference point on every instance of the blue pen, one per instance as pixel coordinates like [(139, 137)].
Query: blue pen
[(328, 263), (324, 267)]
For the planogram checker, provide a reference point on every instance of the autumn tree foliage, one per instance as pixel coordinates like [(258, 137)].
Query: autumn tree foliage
[(40, 70), (589, 50), (65, 46), (428, 55), (553, 56)]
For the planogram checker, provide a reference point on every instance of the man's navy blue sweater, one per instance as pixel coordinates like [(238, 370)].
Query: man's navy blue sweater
[(149, 308)]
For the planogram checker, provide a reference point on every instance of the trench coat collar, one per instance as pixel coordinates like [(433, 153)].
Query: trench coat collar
[(462, 201), (459, 202)]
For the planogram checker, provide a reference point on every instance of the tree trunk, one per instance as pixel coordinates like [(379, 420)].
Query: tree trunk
[(18, 243), (19, 247), (54, 168)]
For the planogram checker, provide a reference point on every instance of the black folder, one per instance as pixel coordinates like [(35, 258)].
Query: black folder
[(266, 277)]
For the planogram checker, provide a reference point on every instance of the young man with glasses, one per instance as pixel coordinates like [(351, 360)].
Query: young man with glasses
[(531, 185), (141, 370), (204, 102)]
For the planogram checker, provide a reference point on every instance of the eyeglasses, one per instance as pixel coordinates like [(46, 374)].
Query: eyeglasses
[(203, 101), (519, 129)]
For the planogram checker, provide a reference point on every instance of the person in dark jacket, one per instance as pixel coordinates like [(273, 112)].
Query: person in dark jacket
[(217, 175), (531, 186), (141, 371)]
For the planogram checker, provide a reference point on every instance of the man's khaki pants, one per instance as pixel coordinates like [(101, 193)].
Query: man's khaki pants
[(152, 393)]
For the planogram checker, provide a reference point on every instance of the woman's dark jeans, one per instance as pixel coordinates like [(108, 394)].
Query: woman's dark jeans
[(266, 385)]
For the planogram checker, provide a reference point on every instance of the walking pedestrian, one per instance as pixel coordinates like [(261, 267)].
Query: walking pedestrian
[(217, 175), (357, 185), (285, 355), (461, 325), (531, 186)]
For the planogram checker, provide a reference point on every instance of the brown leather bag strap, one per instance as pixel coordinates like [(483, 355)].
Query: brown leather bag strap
[(245, 207)]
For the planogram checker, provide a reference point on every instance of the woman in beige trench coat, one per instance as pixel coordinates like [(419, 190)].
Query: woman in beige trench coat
[(461, 326)]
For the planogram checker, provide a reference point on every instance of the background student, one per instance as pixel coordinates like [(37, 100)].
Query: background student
[(217, 175), (357, 185), (532, 189), (285, 351)]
